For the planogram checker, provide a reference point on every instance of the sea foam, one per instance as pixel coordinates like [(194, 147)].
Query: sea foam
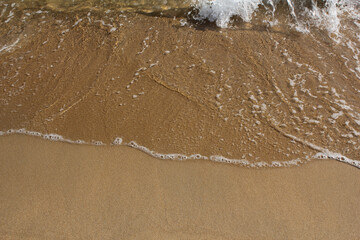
[(304, 14), (322, 153), (221, 11)]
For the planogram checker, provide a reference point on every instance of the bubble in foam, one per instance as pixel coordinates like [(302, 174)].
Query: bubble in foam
[(337, 156), (132, 144), (98, 143), (118, 141), (53, 137)]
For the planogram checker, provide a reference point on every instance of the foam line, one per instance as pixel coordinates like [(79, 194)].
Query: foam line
[(322, 152)]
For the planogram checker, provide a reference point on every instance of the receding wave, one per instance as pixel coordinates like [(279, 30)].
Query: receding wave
[(257, 83)]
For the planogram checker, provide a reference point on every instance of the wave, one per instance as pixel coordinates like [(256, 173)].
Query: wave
[(322, 153), (301, 14)]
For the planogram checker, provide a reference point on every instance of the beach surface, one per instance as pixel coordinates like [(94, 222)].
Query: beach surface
[(54, 190), (112, 88)]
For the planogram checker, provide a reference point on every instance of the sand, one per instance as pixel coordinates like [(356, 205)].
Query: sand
[(174, 85), (54, 190)]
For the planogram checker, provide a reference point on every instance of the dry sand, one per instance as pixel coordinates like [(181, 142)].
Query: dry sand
[(53, 190)]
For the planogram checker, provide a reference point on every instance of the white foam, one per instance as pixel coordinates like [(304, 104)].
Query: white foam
[(117, 141), (338, 157), (327, 17), (10, 47), (48, 136), (322, 153), (337, 115), (221, 11)]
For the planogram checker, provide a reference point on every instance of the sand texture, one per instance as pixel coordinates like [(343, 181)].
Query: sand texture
[(53, 190), (258, 93)]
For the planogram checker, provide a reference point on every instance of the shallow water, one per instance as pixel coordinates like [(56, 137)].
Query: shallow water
[(247, 82)]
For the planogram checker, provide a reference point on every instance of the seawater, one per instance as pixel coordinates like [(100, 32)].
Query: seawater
[(295, 77)]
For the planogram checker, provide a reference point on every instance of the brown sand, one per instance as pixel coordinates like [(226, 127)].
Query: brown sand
[(52, 190)]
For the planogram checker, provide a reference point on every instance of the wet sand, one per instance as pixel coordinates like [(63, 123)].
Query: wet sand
[(186, 89), (53, 190)]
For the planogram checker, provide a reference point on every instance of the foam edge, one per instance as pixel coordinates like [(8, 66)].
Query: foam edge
[(322, 153)]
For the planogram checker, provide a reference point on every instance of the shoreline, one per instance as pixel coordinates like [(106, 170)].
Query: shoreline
[(321, 153), (57, 190)]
